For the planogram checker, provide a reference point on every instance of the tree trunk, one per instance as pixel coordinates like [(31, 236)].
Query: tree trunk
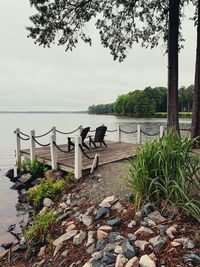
[(172, 99), (195, 128)]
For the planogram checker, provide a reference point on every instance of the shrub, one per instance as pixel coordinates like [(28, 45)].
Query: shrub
[(166, 172), (34, 167), (41, 228), (47, 188)]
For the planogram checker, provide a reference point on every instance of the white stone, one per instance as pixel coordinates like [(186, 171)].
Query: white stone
[(146, 261), (58, 247), (101, 235), (87, 220), (42, 251), (181, 240), (132, 262), (70, 227), (107, 201), (117, 206), (65, 237), (105, 228), (78, 239), (63, 205), (97, 255), (87, 264), (90, 239), (175, 244), (171, 231), (47, 202), (118, 249), (120, 260), (143, 231), (131, 224), (141, 244)]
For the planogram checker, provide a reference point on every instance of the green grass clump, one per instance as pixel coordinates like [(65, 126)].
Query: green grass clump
[(166, 173), (34, 167), (47, 188), (40, 230)]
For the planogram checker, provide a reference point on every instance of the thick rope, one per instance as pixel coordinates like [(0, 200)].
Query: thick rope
[(24, 139), (149, 134), (68, 132), (43, 145), (111, 131), (128, 132), (22, 133), (61, 150), (42, 135), (84, 153)]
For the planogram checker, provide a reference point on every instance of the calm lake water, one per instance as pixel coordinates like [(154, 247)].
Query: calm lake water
[(41, 123)]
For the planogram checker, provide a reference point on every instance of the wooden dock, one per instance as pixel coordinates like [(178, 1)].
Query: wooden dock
[(115, 151)]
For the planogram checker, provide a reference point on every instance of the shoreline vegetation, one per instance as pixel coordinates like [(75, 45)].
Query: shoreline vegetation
[(147, 103)]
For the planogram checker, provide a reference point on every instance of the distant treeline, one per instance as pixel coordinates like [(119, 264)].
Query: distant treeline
[(144, 103)]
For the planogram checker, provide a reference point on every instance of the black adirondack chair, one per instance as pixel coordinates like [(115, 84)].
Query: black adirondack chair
[(99, 137), (84, 133)]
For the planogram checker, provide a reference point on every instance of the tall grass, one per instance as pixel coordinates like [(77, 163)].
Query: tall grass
[(167, 173)]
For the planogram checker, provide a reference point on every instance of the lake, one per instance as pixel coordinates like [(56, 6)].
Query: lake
[(65, 122)]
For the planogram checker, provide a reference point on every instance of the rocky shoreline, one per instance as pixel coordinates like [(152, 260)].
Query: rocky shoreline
[(111, 233)]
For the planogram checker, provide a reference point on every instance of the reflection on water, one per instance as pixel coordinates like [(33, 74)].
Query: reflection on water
[(41, 123)]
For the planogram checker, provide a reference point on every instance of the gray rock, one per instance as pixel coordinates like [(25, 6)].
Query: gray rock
[(128, 250), (78, 239), (158, 242), (10, 173), (163, 230), (114, 237), (87, 220), (101, 244), (48, 263), (101, 213), (115, 222), (90, 249), (120, 261), (64, 216), (156, 217), (108, 258), (189, 244), (65, 253), (26, 178), (192, 257), (90, 239), (65, 237), (147, 208)]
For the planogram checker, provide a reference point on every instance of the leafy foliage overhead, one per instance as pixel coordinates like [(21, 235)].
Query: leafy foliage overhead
[(121, 23)]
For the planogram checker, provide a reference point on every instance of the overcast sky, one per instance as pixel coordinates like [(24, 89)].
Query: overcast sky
[(36, 78)]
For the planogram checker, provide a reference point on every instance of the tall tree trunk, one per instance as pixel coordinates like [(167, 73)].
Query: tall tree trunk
[(172, 99), (195, 128)]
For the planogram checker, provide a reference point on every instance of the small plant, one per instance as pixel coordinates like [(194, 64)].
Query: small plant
[(40, 230), (34, 167), (166, 173), (47, 188)]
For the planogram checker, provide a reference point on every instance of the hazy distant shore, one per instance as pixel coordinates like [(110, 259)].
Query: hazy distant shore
[(44, 112)]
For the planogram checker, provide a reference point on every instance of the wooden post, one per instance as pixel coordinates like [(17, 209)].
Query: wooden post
[(54, 132), (54, 163), (95, 163), (119, 133), (139, 134), (161, 131), (80, 129), (32, 145), (77, 158), (18, 147)]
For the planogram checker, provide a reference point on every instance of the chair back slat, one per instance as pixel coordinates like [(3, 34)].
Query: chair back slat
[(100, 133), (84, 133)]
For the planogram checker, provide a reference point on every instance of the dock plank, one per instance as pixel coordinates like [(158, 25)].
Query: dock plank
[(116, 151)]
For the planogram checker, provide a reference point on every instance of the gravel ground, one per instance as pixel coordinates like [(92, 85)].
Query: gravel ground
[(108, 180)]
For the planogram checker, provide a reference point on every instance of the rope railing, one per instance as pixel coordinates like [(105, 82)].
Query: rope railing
[(111, 131), (43, 145), (92, 131), (148, 134), (84, 153), (22, 138), (60, 132), (62, 150), (21, 133), (128, 132), (42, 135)]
